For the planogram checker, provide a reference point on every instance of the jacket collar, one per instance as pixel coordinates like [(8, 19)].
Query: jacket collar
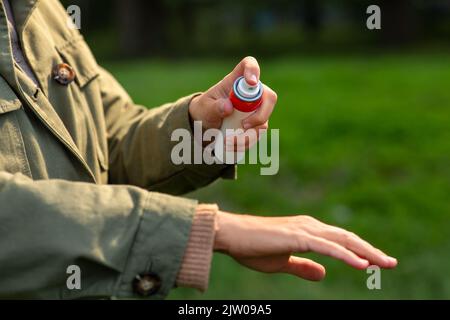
[(22, 10)]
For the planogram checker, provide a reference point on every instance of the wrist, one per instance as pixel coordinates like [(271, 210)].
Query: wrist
[(223, 224)]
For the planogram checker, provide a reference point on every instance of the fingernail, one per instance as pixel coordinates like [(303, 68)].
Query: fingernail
[(391, 260), (253, 78), (364, 263), (246, 125)]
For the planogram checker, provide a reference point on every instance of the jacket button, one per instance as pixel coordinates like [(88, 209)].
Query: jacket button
[(146, 284), (63, 73)]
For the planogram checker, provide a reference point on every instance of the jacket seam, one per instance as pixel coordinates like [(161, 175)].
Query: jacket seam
[(117, 288)]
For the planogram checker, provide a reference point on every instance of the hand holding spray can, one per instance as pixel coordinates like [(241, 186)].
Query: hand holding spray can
[(246, 99)]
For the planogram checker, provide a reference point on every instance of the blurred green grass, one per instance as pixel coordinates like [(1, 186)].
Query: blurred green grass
[(364, 144)]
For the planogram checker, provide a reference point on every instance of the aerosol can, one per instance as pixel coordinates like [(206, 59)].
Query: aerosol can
[(246, 99)]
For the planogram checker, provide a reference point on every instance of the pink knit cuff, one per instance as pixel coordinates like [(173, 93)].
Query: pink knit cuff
[(194, 271)]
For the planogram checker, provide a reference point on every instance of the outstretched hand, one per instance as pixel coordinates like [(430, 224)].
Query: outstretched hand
[(267, 244)]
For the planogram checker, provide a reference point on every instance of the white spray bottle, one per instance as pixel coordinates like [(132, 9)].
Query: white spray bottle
[(246, 99)]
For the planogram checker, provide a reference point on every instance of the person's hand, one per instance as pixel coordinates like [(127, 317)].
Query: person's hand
[(267, 244), (213, 105)]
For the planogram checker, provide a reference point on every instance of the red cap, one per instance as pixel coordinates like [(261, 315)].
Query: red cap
[(244, 102)]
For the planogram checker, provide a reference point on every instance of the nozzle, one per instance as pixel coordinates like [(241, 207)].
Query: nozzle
[(246, 90)]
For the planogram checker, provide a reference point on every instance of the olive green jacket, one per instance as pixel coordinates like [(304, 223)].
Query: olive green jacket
[(81, 168)]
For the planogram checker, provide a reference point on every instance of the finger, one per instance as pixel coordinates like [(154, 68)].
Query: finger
[(259, 117), (336, 251), (304, 268), (361, 247), (251, 70), (248, 67)]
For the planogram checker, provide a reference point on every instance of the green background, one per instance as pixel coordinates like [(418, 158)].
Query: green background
[(364, 144)]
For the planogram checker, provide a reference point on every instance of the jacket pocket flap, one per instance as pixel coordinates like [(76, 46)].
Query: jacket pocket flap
[(77, 54), (9, 105)]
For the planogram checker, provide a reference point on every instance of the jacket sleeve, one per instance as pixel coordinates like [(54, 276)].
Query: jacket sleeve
[(140, 146), (112, 233)]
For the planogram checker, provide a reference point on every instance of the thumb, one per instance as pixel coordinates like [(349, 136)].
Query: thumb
[(304, 268), (248, 67)]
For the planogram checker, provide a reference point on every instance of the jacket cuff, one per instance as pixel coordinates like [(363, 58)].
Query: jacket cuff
[(158, 248), (196, 265)]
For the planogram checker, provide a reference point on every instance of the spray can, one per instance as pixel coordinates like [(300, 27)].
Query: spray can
[(246, 99)]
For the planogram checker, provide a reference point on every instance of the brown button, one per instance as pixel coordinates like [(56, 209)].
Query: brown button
[(146, 284), (63, 73)]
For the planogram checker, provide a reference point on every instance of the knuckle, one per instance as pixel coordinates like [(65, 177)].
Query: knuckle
[(271, 94), (306, 219), (353, 235), (259, 119), (255, 120), (347, 238), (302, 243), (274, 96)]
